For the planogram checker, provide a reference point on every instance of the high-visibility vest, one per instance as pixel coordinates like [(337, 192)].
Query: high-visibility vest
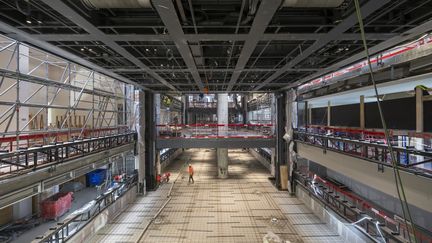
[(191, 170)]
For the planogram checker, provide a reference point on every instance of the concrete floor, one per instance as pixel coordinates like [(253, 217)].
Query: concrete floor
[(242, 208), (81, 197)]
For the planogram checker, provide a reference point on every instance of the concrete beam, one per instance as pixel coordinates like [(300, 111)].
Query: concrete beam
[(167, 13), (76, 18), (367, 9), (262, 19), (215, 143)]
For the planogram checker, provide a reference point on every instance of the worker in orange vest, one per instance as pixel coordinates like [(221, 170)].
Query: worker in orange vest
[(191, 172)]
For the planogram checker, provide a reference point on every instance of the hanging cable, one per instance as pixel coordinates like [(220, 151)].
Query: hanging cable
[(399, 185)]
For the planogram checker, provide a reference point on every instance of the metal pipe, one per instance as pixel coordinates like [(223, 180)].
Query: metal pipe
[(97, 4), (312, 3)]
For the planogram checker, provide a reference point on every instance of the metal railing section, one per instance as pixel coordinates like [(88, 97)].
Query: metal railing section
[(41, 156), (166, 131), (372, 221), (81, 217), (408, 158)]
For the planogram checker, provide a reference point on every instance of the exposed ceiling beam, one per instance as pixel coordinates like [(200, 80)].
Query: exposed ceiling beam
[(210, 37), (368, 8), (406, 36), (218, 84), (262, 19), (167, 13), (221, 70), (73, 16), (22, 36)]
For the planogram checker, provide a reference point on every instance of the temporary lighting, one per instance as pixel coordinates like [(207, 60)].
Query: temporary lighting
[(28, 21)]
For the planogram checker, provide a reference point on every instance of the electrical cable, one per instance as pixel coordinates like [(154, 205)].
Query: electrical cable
[(400, 191)]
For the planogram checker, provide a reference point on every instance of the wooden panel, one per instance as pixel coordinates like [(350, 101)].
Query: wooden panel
[(6, 215)]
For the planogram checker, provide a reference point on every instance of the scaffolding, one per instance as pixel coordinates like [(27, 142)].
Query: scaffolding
[(47, 100)]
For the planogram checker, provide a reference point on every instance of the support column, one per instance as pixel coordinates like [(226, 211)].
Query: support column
[(362, 112), (140, 129), (222, 116), (281, 172), (328, 113), (150, 138), (419, 142)]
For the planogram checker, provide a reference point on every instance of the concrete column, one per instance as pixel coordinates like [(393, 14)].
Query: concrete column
[(140, 129), (222, 116), (159, 120)]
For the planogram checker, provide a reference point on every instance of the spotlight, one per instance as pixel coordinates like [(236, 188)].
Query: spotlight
[(28, 21), (147, 49), (82, 49)]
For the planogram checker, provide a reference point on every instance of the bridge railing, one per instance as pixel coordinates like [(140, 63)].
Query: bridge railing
[(166, 131)]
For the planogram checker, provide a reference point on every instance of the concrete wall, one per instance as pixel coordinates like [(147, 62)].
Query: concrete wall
[(171, 159), (336, 223), (104, 217), (261, 159), (378, 187)]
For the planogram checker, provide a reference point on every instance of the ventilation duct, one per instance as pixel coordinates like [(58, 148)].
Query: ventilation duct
[(97, 4), (312, 3)]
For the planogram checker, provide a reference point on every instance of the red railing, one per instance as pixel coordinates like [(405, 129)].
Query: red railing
[(213, 130), (39, 137)]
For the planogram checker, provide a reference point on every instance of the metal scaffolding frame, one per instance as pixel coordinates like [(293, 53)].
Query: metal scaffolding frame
[(47, 100)]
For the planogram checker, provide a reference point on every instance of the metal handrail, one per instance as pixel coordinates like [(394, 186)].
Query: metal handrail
[(38, 157), (81, 217), (374, 151)]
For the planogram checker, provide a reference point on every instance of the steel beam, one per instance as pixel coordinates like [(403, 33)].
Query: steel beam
[(168, 14), (406, 36), (367, 9), (262, 19), (216, 70), (210, 37), (216, 143), (73, 16)]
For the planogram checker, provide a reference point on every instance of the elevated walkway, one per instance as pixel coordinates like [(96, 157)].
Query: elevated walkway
[(64, 162)]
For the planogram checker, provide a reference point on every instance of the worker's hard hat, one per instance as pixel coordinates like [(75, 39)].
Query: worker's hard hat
[(190, 165)]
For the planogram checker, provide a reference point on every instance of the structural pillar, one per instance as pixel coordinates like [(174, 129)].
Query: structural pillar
[(362, 112), (140, 147), (328, 113), (419, 142), (281, 168), (150, 139), (222, 116)]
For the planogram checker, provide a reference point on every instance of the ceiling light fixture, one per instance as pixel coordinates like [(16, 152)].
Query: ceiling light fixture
[(28, 21)]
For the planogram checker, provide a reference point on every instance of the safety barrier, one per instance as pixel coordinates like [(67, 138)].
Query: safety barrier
[(80, 218), (166, 131), (373, 221), (373, 149), (39, 156)]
